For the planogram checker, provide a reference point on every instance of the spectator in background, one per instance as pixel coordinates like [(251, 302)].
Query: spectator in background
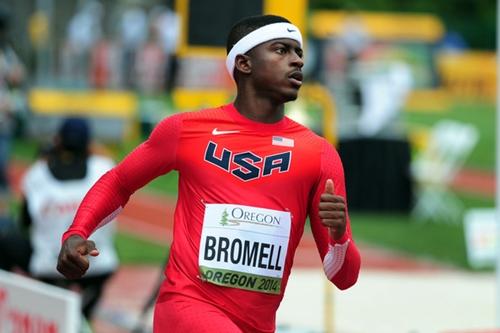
[(12, 75), (83, 32), (167, 24), (343, 55), (105, 65), (52, 189), (385, 83), (133, 34), (149, 66)]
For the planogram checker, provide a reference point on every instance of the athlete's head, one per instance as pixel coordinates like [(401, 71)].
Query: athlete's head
[(268, 49)]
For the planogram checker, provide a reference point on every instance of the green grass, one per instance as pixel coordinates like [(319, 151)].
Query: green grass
[(24, 149), (133, 250), (440, 242)]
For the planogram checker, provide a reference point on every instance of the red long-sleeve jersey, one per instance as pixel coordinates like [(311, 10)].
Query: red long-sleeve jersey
[(245, 190)]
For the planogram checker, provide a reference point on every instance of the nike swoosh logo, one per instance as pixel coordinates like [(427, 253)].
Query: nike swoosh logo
[(290, 30), (217, 132)]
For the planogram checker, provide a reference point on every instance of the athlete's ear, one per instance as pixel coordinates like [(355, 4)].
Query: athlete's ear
[(243, 64)]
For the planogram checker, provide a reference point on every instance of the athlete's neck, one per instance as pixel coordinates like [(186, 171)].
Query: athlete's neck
[(261, 110)]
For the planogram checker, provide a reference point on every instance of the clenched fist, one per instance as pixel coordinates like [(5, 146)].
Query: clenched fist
[(73, 259)]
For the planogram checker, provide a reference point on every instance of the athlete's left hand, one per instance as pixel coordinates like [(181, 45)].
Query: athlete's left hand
[(332, 211)]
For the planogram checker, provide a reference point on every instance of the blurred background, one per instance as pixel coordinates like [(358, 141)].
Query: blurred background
[(405, 90)]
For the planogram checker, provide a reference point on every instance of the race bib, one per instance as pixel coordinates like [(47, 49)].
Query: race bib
[(244, 247)]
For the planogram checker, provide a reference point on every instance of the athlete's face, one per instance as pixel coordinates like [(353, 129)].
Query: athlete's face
[(276, 68)]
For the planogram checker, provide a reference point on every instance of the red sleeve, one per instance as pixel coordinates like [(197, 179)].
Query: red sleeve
[(107, 197), (341, 259)]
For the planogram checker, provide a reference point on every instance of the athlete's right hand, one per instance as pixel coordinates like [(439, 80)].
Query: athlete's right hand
[(73, 259)]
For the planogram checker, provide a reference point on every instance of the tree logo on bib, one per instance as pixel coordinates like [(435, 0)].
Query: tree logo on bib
[(223, 220)]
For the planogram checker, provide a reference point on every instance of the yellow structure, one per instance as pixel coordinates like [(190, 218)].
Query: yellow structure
[(294, 10), (92, 103), (469, 74), (192, 99), (317, 94), (381, 26), (118, 109)]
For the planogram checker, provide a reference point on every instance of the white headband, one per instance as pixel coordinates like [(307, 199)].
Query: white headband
[(259, 36)]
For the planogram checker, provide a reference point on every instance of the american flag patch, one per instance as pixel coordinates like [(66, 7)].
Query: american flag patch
[(281, 141)]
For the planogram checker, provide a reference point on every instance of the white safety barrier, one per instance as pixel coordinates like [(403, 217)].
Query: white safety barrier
[(30, 306)]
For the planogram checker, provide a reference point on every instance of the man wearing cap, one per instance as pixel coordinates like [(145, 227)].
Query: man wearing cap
[(249, 177), (52, 188)]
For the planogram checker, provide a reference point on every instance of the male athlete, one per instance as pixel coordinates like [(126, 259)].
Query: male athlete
[(249, 177)]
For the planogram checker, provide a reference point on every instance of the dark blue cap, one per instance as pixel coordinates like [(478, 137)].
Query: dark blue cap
[(74, 134)]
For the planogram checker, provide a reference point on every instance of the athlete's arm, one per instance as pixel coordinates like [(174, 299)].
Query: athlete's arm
[(108, 196), (330, 223), (154, 157)]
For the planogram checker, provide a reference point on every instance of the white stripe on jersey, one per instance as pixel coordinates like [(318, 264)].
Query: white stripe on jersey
[(334, 259), (109, 218)]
